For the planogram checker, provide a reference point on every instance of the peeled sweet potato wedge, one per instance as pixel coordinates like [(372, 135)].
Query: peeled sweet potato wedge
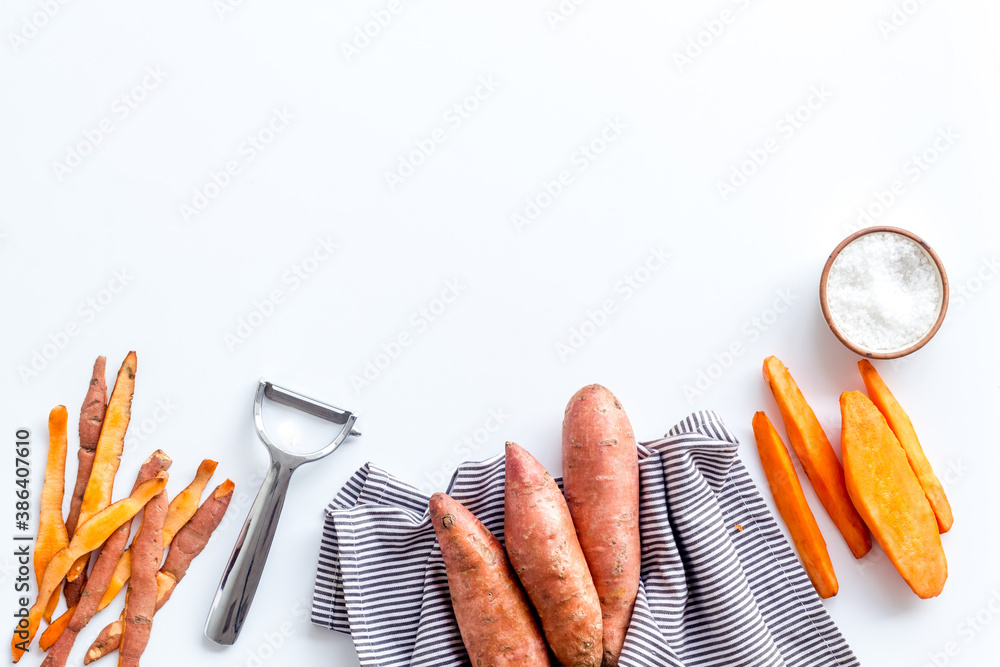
[(901, 426), (818, 459), (793, 508), (888, 496)]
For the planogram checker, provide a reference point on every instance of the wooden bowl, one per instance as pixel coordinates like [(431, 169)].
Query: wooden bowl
[(883, 354)]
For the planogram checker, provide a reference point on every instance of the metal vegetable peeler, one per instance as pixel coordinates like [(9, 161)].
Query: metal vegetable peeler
[(246, 563)]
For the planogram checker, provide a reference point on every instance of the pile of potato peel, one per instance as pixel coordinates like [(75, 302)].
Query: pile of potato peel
[(96, 525)]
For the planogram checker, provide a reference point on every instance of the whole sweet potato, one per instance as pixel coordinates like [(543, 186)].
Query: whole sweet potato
[(493, 615), (601, 484), (547, 557)]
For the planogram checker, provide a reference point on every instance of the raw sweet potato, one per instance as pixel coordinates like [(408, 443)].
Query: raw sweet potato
[(107, 456), (793, 508), (887, 494), (817, 456), (95, 404), (493, 615), (901, 426), (547, 557), (104, 566), (89, 535), (601, 484), (188, 543)]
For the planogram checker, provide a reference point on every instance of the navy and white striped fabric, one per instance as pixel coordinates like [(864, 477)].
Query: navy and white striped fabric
[(720, 584)]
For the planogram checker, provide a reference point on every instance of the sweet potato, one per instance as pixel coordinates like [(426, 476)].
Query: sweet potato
[(95, 404), (107, 456), (601, 483), (793, 508), (104, 566), (140, 599), (547, 557), (901, 426), (817, 456), (889, 497), (182, 508), (493, 615), (52, 535), (89, 535), (188, 543)]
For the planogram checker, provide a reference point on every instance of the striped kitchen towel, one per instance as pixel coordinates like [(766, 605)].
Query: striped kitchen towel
[(720, 584)]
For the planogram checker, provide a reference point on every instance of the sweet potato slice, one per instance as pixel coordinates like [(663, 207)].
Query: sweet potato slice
[(901, 426), (818, 459), (89, 536), (887, 494), (601, 484), (108, 454), (493, 614), (793, 508), (547, 557)]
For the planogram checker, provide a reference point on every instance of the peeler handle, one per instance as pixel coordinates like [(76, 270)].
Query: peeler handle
[(246, 563)]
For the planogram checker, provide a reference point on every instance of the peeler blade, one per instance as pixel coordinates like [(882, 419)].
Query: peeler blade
[(311, 406)]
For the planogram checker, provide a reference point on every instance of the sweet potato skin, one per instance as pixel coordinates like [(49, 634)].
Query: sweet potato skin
[(95, 404), (887, 494), (140, 599), (816, 455), (793, 508), (89, 536), (52, 534), (601, 484), (902, 427), (193, 537), (547, 558), (104, 566), (110, 444), (182, 508), (189, 541), (493, 614)]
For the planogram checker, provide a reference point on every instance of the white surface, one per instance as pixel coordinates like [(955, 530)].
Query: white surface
[(494, 348)]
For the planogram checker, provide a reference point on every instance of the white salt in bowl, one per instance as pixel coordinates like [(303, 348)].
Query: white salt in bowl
[(884, 292)]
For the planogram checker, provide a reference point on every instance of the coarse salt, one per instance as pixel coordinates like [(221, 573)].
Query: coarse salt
[(884, 291)]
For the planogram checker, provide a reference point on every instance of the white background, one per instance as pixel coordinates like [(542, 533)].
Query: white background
[(191, 279)]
